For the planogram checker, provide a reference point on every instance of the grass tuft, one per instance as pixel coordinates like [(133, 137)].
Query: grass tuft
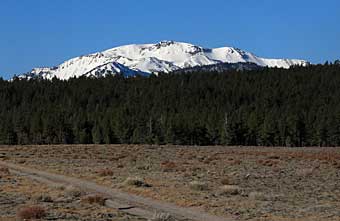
[(136, 181), (198, 186), (94, 199), (74, 192), (230, 190)]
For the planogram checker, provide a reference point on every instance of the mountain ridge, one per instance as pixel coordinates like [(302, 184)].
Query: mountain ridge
[(145, 59)]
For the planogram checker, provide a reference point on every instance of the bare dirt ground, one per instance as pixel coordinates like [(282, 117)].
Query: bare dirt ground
[(132, 204), (20, 196), (244, 183)]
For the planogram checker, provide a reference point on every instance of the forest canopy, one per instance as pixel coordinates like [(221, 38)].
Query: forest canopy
[(299, 106)]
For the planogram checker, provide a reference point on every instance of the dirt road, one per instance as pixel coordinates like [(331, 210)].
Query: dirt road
[(132, 204)]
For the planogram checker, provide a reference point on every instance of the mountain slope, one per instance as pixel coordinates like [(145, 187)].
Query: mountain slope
[(144, 59), (221, 67)]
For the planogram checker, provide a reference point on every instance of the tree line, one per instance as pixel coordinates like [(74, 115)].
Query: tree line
[(299, 106)]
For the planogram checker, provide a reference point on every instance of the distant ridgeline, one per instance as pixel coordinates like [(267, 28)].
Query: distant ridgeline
[(299, 106)]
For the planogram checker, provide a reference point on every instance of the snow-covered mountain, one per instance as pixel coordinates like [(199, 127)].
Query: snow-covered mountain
[(144, 59)]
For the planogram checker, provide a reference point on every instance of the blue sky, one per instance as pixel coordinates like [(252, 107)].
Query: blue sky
[(38, 33)]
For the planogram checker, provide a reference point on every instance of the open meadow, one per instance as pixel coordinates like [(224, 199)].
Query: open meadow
[(244, 183)]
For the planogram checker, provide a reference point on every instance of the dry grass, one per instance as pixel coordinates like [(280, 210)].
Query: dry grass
[(22, 198), (326, 155), (31, 212), (305, 172), (336, 164), (230, 190), (74, 192), (105, 172), (252, 181), (162, 217), (94, 199), (44, 198), (4, 171), (198, 186), (258, 196), (229, 179), (168, 166), (235, 162), (268, 162), (136, 181), (226, 181)]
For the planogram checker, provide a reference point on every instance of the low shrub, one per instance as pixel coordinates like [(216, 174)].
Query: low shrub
[(44, 198), (268, 162), (235, 162), (226, 181), (4, 171), (168, 166), (95, 199), (230, 190), (31, 212), (305, 172), (105, 172), (198, 186), (73, 191), (136, 181), (258, 196)]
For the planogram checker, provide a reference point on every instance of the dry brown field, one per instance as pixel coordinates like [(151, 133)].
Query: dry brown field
[(245, 183)]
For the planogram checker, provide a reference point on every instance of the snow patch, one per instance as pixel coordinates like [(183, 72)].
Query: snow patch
[(144, 59)]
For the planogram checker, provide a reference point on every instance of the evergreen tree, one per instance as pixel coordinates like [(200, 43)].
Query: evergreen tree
[(270, 106)]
